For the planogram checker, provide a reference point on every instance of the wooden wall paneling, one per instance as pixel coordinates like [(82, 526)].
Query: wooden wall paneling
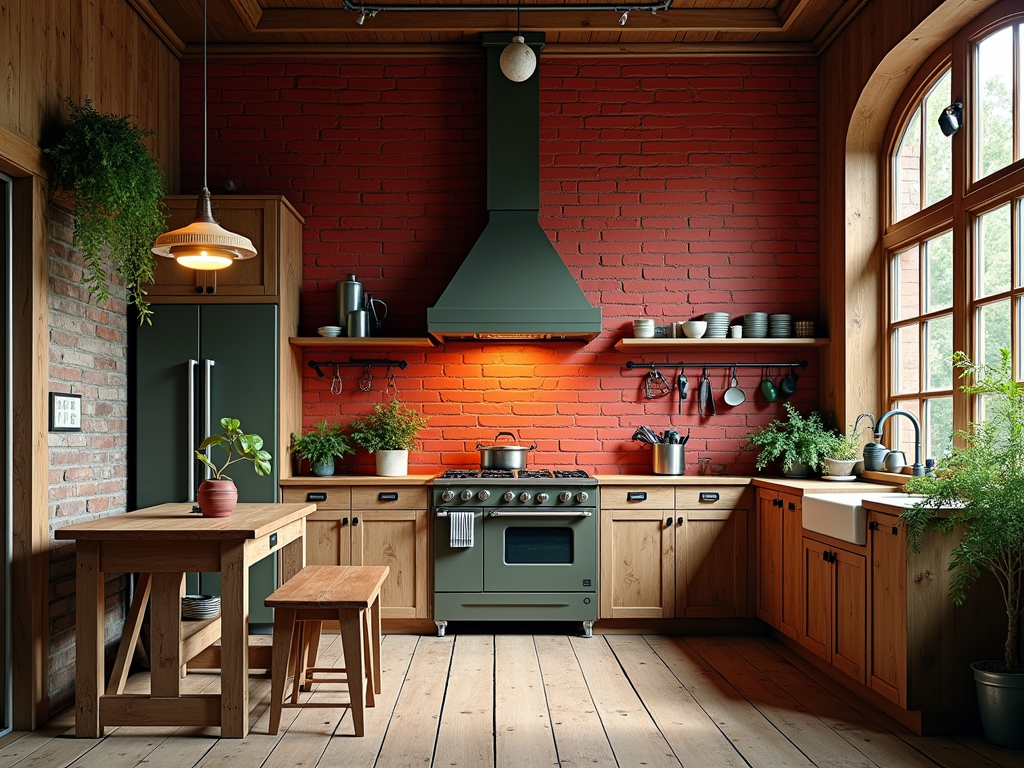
[(10, 54)]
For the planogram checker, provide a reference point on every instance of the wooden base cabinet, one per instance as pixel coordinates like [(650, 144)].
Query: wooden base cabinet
[(779, 553)]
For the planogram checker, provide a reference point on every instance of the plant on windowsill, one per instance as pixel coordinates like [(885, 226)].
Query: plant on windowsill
[(389, 432), (217, 497), (118, 190), (979, 487), (798, 444), (841, 454), (320, 446)]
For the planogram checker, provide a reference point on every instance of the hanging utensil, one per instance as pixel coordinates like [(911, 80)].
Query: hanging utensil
[(705, 396), (366, 380), (391, 388), (682, 385), (656, 385), (734, 395), (336, 384)]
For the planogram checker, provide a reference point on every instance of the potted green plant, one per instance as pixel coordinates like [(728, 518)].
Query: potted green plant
[(798, 443), (217, 496), (841, 454), (389, 432), (117, 188), (979, 487), (320, 446)]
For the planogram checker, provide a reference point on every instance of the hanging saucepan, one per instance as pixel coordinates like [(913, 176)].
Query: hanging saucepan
[(503, 455)]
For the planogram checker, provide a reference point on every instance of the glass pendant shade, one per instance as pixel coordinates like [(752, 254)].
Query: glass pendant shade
[(204, 244), (518, 61)]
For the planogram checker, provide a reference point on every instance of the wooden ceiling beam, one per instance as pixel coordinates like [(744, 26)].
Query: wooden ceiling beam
[(249, 11), (278, 20)]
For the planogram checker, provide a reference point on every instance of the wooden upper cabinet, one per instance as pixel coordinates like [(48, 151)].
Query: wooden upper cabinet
[(273, 226)]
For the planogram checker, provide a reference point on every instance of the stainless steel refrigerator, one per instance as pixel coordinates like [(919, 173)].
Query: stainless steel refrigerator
[(195, 365)]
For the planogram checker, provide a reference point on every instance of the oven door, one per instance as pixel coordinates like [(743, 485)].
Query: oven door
[(457, 569), (540, 551)]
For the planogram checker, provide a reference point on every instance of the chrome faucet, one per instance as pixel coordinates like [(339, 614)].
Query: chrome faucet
[(918, 468)]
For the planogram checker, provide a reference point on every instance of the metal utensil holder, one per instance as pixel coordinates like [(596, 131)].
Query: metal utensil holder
[(669, 459)]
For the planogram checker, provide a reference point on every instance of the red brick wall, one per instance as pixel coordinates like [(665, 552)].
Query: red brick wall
[(88, 468), (669, 187)]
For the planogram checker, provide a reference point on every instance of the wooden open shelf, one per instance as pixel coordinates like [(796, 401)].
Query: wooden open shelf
[(666, 345), (369, 342)]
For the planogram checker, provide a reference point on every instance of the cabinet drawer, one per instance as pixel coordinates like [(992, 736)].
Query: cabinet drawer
[(324, 498), (729, 496), (624, 497), (382, 497)]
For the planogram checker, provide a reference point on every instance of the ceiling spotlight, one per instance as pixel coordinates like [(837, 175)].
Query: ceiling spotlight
[(362, 18), (623, 18)]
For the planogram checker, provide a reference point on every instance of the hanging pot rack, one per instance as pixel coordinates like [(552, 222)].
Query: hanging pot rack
[(630, 365), (317, 365)]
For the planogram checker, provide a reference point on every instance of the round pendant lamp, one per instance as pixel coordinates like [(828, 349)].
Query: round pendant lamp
[(204, 244), (518, 61)]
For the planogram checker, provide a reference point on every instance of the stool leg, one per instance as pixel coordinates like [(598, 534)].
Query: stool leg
[(351, 621), (284, 627), (368, 655), (375, 640), (313, 648), (299, 655)]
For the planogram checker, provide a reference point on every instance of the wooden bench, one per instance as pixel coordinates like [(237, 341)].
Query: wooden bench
[(318, 593)]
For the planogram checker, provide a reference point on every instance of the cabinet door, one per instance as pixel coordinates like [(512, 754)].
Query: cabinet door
[(711, 563), (887, 608), (637, 563), (848, 635), (396, 538), (792, 568), (769, 558), (817, 604)]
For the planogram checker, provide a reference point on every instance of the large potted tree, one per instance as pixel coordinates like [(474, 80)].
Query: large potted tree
[(979, 489)]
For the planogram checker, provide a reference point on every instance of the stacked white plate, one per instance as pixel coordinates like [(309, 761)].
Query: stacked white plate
[(718, 325), (199, 606), (329, 330), (755, 325), (780, 326)]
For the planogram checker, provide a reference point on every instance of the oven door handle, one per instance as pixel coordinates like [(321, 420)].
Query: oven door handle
[(575, 513)]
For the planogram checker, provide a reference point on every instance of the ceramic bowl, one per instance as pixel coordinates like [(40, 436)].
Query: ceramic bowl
[(694, 329)]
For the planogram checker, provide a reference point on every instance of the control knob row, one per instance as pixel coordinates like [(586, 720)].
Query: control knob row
[(524, 497)]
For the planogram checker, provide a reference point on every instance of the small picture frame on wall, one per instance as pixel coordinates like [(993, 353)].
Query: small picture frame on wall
[(65, 412)]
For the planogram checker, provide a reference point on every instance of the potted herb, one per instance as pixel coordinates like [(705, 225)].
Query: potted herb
[(980, 489), (320, 446), (841, 454), (118, 190), (217, 497), (389, 432), (798, 444)]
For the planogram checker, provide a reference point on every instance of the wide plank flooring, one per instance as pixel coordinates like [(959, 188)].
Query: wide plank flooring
[(521, 700)]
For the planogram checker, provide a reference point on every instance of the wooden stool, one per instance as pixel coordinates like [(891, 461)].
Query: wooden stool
[(348, 593)]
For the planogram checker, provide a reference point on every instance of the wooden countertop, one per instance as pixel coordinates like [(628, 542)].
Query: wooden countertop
[(364, 480), (671, 480), (816, 485)]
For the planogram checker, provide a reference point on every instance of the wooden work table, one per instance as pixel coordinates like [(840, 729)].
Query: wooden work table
[(163, 543)]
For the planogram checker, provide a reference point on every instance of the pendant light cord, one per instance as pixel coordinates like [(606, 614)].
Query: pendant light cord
[(205, 128), (518, 28)]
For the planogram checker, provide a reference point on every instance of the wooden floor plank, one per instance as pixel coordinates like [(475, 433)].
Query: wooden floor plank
[(1005, 758), (31, 741), (694, 737), (756, 739), (466, 736), (579, 733), (522, 724), (633, 735)]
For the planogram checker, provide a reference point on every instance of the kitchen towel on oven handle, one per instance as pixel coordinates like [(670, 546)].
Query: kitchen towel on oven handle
[(461, 534)]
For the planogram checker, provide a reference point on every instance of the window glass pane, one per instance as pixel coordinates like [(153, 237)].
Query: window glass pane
[(938, 150), (993, 331), (1019, 354), (907, 171), (939, 268), (993, 251), (1020, 254), (938, 427), (906, 280), (902, 429), (939, 335), (995, 103), (906, 358)]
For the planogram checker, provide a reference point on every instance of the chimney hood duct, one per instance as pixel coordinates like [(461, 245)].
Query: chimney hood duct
[(513, 284)]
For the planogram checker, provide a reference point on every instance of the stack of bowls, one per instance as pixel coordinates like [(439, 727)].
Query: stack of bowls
[(330, 331), (780, 326), (718, 324), (643, 328), (199, 606), (755, 325)]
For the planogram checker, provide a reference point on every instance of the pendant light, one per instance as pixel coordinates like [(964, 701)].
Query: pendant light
[(204, 244), (518, 61)]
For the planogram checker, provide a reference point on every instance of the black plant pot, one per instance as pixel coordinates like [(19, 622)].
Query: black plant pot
[(1001, 702)]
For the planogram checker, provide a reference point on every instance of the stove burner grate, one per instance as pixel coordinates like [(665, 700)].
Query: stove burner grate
[(570, 473), (460, 474), (506, 474), (535, 474)]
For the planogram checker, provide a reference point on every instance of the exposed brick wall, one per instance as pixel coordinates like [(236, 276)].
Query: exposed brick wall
[(669, 187), (88, 468)]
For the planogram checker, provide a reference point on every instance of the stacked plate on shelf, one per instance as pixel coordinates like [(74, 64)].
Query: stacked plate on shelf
[(755, 325), (331, 331), (199, 606), (780, 326), (718, 325)]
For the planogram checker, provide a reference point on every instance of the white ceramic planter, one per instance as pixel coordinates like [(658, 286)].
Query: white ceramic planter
[(840, 467), (392, 463)]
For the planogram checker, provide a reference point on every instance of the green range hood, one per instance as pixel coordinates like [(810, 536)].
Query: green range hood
[(513, 284)]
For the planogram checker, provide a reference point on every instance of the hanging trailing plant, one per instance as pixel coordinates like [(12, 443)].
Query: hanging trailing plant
[(118, 190)]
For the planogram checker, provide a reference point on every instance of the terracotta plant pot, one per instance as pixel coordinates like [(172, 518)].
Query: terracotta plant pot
[(217, 498)]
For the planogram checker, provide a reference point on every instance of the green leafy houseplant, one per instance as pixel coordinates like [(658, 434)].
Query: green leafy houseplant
[(238, 446), (320, 446), (796, 440), (841, 453), (391, 427), (117, 188)]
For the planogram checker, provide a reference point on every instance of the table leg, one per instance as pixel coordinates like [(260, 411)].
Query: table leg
[(351, 620), (375, 640), (130, 635), (165, 634), (234, 671), (293, 556), (89, 620)]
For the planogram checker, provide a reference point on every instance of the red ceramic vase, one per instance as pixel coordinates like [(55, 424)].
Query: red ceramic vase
[(217, 498)]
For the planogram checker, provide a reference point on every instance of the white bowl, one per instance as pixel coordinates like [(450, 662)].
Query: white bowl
[(329, 330), (694, 329)]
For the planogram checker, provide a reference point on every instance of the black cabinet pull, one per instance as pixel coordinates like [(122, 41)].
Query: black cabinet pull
[(636, 495), (388, 496), (873, 525), (895, 531), (680, 520), (776, 502), (792, 506), (355, 521), (344, 522), (708, 496), (668, 522), (321, 496), (824, 556)]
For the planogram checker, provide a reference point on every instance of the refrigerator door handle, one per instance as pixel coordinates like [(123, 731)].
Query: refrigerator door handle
[(207, 365), (191, 368)]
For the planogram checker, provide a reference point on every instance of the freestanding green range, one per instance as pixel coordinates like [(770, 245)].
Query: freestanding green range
[(195, 365)]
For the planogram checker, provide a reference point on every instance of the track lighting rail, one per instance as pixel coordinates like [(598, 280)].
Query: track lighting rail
[(372, 9)]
